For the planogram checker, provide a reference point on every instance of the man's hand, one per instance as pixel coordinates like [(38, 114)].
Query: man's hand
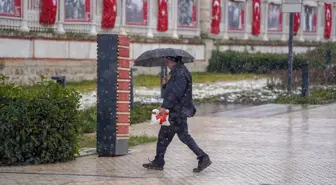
[(162, 111), (164, 81)]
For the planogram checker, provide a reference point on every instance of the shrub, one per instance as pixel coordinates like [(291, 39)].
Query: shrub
[(259, 63), (38, 124), (320, 52)]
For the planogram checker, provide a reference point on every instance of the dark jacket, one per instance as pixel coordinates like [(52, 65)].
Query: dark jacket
[(178, 93)]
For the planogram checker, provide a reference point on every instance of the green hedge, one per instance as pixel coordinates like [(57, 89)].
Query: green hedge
[(38, 125), (259, 63)]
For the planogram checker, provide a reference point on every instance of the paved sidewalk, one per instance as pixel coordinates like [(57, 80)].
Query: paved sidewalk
[(288, 145)]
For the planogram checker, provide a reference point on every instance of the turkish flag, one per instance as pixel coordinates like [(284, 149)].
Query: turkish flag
[(162, 24), (48, 12), (297, 22), (216, 16), (256, 17), (109, 13), (328, 20)]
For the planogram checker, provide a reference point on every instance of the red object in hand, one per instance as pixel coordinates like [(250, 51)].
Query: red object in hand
[(48, 12), (162, 118)]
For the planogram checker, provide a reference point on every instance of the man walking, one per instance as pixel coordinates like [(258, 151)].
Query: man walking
[(178, 100)]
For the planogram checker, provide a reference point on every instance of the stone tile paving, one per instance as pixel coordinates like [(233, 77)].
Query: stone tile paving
[(288, 148)]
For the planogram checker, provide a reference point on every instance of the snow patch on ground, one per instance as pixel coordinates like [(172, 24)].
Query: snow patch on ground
[(227, 91)]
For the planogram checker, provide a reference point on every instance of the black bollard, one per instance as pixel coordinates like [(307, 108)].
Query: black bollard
[(305, 80), (59, 79)]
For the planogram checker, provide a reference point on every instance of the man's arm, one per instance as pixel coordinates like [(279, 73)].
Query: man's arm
[(175, 90)]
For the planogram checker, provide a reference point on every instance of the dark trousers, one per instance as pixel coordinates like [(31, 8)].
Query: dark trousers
[(179, 126)]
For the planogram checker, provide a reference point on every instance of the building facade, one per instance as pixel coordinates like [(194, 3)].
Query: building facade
[(186, 18), (243, 25)]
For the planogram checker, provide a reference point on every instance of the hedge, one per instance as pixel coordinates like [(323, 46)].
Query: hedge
[(38, 125), (259, 63)]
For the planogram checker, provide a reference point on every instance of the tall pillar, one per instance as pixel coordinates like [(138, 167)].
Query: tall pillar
[(122, 29), (302, 21), (225, 17), (265, 37), (24, 23), (93, 29), (60, 21), (319, 28), (113, 94), (247, 26), (284, 26), (175, 18), (150, 15)]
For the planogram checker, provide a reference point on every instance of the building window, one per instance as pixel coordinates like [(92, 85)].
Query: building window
[(187, 13), (274, 17), (136, 12), (309, 19), (10, 8), (235, 15), (77, 10)]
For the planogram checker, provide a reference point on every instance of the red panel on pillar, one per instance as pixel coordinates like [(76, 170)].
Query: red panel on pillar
[(123, 129), (48, 12), (216, 16), (327, 20), (256, 17), (162, 24), (297, 22), (109, 13)]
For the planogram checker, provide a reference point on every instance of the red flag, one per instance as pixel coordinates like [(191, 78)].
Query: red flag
[(314, 21), (48, 12), (216, 16), (194, 13), (162, 24), (256, 17), (145, 9), (109, 13), (297, 22), (328, 20)]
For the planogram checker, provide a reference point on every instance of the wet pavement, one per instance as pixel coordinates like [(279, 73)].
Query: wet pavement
[(284, 145)]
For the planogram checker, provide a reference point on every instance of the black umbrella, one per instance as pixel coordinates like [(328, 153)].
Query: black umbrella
[(156, 57)]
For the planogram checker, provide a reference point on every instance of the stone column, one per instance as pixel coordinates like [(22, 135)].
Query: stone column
[(285, 26), (199, 17), (93, 29), (265, 17), (24, 23), (247, 26), (225, 18), (302, 20), (175, 18), (60, 21), (122, 29), (150, 15), (319, 28)]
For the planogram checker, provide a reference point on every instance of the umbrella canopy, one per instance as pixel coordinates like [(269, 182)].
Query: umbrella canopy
[(156, 57)]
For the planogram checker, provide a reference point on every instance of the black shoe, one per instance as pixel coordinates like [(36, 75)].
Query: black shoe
[(203, 163), (154, 165)]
